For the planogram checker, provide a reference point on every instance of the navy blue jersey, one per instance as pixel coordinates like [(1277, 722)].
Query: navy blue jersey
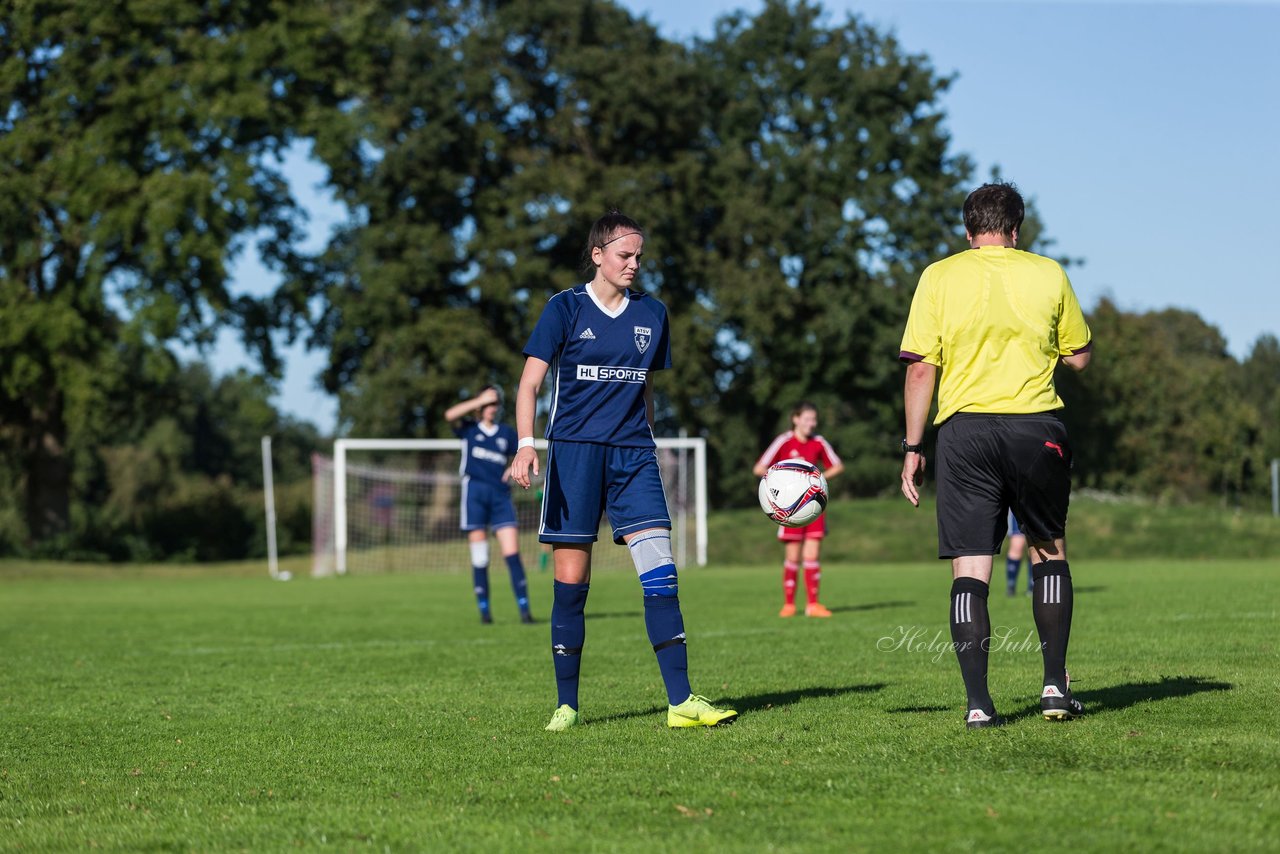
[(485, 453), (599, 364)]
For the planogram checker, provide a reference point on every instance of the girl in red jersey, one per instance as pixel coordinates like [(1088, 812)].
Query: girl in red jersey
[(802, 544)]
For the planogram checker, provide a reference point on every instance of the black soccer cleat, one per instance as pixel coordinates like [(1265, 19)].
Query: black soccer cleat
[(527, 618), (1058, 705), (978, 719), (486, 618)]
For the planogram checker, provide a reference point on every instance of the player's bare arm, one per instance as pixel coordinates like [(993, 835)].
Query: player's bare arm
[(917, 394), (1077, 361), (535, 370), (458, 410)]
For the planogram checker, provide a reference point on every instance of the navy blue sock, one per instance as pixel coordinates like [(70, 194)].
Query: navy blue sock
[(1011, 567), (518, 582), (665, 624), (480, 579), (568, 633)]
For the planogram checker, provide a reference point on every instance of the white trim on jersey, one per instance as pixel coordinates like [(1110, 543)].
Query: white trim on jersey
[(770, 452), (554, 370), (831, 452), (466, 482), (612, 315)]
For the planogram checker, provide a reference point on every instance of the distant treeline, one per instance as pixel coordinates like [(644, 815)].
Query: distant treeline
[(794, 175)]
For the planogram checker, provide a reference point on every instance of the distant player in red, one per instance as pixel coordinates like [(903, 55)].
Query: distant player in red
[(802, 442)]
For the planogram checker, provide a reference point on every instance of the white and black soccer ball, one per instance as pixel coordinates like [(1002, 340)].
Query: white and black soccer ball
[(793, 493)]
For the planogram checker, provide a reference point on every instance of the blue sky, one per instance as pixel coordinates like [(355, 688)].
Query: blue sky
[(1147, 134)]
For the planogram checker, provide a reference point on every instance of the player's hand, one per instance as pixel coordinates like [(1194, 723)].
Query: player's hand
[(488, 396), (912, 477), (524, 458)]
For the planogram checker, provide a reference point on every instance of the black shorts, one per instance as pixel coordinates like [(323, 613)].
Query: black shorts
[(989, 464)]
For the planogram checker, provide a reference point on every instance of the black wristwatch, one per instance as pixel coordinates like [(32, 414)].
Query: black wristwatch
[(912, 449)]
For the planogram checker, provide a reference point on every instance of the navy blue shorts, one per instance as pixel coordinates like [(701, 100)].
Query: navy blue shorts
[(585, 480), (486, 506), (988, 465)]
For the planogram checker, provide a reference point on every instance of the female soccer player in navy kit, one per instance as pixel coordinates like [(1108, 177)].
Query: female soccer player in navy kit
[(486, 495), (601, 342)]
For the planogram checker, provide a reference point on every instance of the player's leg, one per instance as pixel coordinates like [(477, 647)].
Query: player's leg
[(1052, 602), (971, 527), (1013, 558), (509, 543), (637, 510), (811, 553), (791, 542), (478, 541), (1045, 463), (971, 634), (568, 627), (475, 522), (571, 508)]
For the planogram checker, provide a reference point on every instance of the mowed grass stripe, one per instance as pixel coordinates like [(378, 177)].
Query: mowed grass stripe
[(231, 713)]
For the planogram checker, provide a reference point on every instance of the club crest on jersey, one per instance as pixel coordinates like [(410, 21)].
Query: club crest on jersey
[(643, 336)]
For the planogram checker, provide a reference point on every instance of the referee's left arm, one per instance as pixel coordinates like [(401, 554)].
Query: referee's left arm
[(917, 395)]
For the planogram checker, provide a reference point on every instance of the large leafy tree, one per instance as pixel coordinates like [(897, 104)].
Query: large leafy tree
[(830, 186), (475, 152), (1158, 412), (793, 178), (137, 143)]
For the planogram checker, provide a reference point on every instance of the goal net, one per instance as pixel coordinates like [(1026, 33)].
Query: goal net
[(393, 505)]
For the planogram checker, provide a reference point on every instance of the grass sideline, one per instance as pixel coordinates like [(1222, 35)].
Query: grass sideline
[(218, 712), (890, 529)]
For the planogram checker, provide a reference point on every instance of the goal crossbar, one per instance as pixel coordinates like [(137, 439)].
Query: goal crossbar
[(341, 446)]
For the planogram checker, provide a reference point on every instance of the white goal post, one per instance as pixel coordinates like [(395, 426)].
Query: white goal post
[(686, 486)]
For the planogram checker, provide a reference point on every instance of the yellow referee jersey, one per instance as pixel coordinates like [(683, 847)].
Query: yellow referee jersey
[(995, 320)]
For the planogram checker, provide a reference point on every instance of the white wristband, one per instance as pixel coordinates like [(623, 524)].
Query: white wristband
[(526, 442)]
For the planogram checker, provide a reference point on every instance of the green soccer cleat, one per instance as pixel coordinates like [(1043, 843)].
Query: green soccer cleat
[(698, 711), (564, 717)]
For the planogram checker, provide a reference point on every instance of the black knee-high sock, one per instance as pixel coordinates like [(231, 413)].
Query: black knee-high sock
[(1051, 606), (971, 635)]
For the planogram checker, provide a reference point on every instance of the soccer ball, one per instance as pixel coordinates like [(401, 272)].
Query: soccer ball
[(793, 493)]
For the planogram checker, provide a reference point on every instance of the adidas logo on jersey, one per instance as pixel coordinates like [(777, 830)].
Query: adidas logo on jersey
[(587, 335)]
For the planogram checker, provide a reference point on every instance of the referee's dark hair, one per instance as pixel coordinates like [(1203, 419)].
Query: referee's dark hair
[(994, 209)]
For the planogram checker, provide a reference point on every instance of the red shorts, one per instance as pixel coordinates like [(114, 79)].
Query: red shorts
[(815, 530)]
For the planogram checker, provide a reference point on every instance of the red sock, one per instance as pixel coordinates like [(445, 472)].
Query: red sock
[(789, 574), (812, 578)]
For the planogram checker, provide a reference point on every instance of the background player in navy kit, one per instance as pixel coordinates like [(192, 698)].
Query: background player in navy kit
[(600, 342), (1013, 559), (486, 496)]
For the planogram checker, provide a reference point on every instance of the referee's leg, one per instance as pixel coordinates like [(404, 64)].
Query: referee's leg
[(971, 632)]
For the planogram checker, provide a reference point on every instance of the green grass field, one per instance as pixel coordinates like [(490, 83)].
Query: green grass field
[(206, 710)]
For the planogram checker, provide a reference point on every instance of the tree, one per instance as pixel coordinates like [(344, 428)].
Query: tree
[(1156, 412), (477, 150), (830, 187), (137, 147), (793, 179)]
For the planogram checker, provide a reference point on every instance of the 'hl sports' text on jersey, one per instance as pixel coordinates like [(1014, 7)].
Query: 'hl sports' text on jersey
[(599, 363)]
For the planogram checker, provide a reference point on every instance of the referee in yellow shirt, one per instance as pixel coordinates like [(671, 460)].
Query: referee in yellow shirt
[(995, 322)]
